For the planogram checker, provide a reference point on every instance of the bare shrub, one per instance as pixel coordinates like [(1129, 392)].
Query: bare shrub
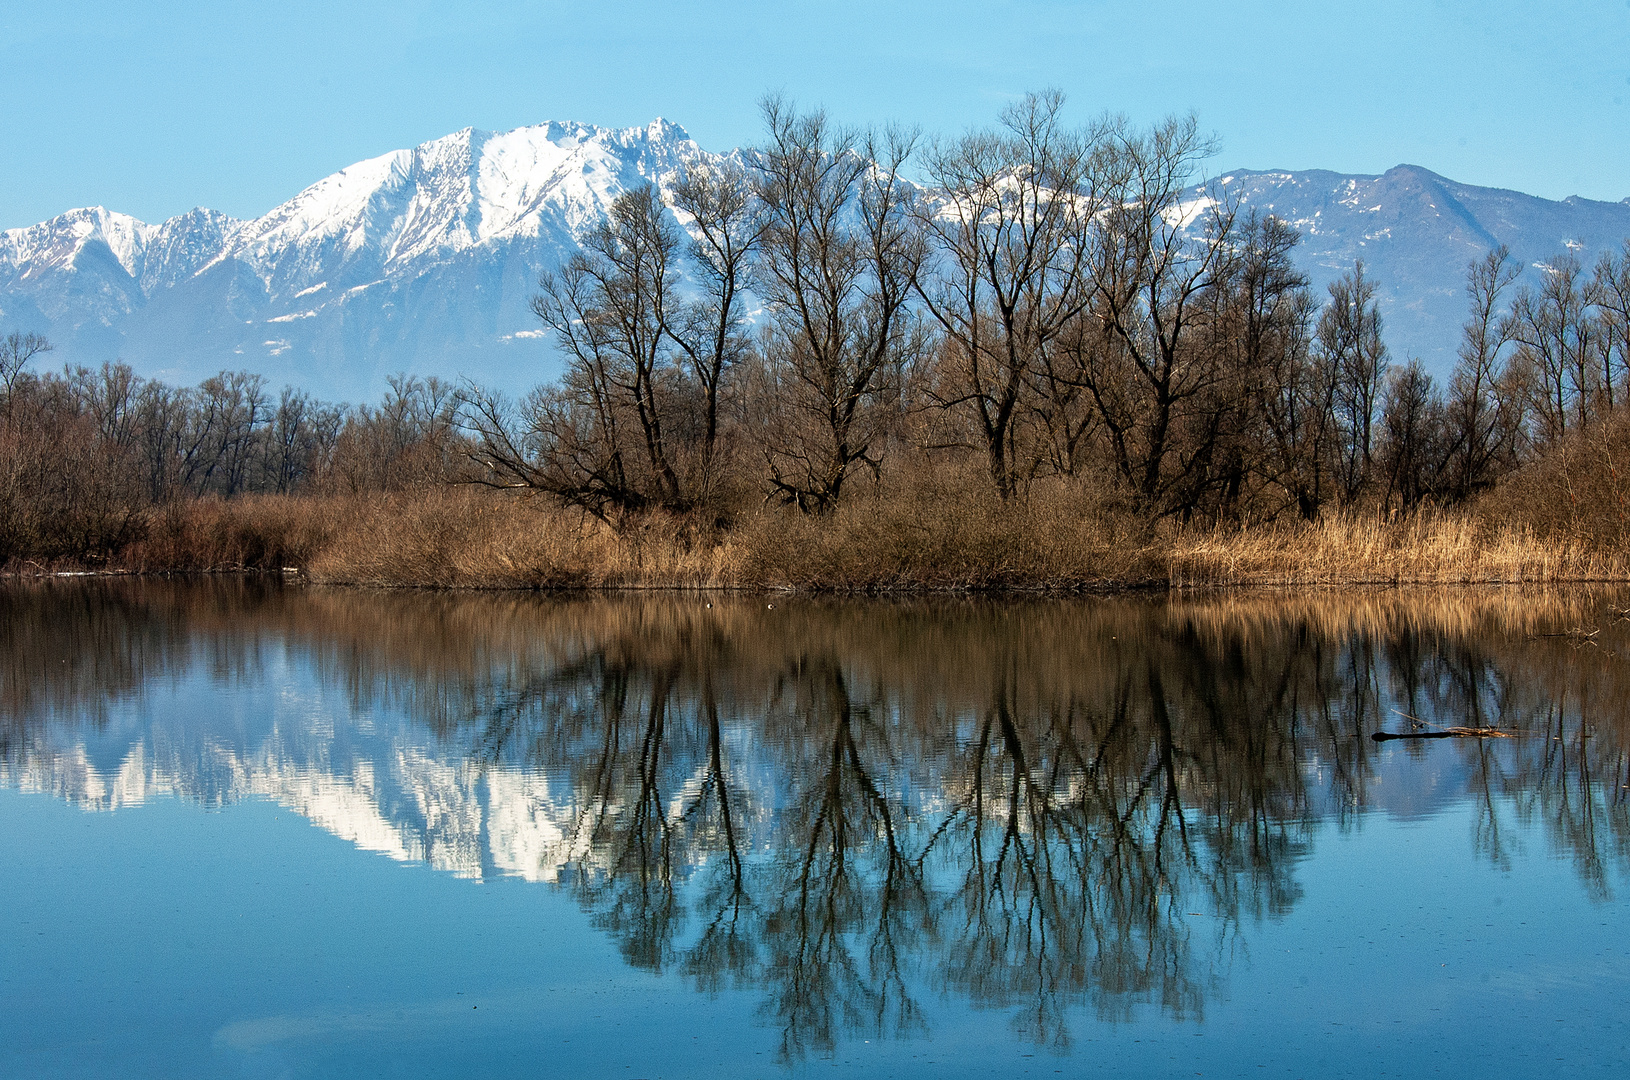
[(1578, 492)]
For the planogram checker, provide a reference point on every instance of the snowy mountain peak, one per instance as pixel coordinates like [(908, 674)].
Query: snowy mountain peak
[(471, 188), (51, 244), (667, 130), (425, 258), (448, 194)]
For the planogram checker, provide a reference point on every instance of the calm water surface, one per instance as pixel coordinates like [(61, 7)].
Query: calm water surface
[(266, 832)]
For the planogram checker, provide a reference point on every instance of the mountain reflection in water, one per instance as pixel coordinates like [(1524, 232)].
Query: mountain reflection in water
[(843, 803)]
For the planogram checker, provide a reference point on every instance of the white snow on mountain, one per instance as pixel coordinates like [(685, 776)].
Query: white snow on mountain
[(425, 259), (422, 259)]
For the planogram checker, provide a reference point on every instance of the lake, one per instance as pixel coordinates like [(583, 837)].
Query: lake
[(257, 830)]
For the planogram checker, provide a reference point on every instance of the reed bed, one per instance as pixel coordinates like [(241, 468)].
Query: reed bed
[(450, 538), (1439, 549), (464, 539)]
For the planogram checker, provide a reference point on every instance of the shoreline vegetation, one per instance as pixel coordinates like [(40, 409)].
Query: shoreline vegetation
[(1040, 367), (460, 538)]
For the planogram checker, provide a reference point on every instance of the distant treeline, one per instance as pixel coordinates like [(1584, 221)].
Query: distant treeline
[(1046, 308), (84, 453)]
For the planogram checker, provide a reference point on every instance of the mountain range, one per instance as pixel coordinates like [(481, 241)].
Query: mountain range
[(425, 260)]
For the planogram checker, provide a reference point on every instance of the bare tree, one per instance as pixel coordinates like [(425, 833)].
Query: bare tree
[(1156, 372), (66, 480), (719, 203), (215, 449), (299, 440), (1288, 395), (1484, 416), (1609, 292), (16, 350), (1350, 344), (1411, 453), (409, 440), (1553, 333), (1010, 218), (602, 439), (162, 422), (285, 448), (636, 421), (110, 395), (840, 255)]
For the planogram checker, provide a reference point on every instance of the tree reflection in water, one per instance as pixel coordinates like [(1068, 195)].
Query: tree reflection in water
[(846, 805)]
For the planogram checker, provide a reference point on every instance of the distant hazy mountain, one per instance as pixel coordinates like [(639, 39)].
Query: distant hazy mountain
[(1416, 233), (425, 259)]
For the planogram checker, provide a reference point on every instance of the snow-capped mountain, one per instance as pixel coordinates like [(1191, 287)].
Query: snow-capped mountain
[(421, 260), (425, 259)]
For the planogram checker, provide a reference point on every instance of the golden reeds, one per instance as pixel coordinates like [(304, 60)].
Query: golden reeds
[(1056, 540), (1426, 548)]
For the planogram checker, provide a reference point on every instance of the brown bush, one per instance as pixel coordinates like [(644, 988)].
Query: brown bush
[(1577, 492), (462, 538), (61, 497), (945, 528), (258, 532)]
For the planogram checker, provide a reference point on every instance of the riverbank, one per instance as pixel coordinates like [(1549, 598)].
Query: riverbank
[(460, 538)]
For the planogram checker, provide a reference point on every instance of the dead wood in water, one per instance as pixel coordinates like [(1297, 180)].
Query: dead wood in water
[(1444, 733)]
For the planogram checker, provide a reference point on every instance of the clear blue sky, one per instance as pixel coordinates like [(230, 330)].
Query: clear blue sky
[(153, 109)]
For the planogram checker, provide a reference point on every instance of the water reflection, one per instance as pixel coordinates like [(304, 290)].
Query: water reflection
[(846, 805)]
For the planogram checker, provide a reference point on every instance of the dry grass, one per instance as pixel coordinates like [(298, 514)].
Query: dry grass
[(932, 537), (951, 537), (1439, 549), (262, 532), (471, 539)]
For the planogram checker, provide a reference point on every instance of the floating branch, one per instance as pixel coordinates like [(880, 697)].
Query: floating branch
[(1444, 733), (1436, 732)]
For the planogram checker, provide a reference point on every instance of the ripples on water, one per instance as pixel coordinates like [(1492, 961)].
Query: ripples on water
[(853, 820)]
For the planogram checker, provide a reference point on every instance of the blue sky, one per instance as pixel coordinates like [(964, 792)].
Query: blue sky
[(154, 109)]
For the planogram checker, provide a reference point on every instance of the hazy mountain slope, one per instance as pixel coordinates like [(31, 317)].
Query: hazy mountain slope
[(1416, 233), (425, 259)]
